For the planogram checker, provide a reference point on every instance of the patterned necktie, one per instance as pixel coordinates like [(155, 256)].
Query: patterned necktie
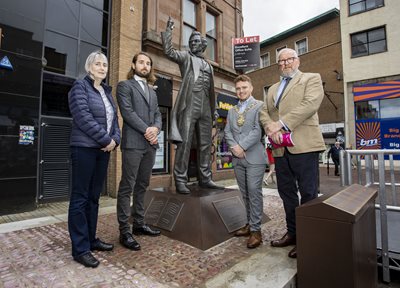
[(285, 82)]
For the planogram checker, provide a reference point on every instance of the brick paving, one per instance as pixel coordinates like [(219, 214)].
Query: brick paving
[(40, 257)]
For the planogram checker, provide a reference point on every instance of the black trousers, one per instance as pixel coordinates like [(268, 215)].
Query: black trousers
[(89, 170), (336, 162), (296, 173)]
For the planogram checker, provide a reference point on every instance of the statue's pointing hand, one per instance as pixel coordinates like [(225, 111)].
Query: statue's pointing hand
[(170, 24)]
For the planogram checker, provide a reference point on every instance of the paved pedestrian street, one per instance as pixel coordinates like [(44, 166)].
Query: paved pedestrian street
[(40, 257)]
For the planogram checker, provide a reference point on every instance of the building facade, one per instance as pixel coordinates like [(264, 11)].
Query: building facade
[(370, 36), (43, 47), (318, 44)]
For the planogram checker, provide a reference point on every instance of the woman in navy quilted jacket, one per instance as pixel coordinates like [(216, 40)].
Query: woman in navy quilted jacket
[(95, 133)]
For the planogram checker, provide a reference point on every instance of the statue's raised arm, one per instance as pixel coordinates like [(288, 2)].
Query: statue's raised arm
[(193, 109)]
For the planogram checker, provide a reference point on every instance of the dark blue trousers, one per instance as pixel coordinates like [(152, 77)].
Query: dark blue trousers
[(296, 173), (89, 170)]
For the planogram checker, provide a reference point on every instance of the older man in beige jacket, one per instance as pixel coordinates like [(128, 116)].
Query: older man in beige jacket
[(291, 107)]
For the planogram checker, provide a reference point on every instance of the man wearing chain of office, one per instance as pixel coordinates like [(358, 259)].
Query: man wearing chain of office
[(193, 110)]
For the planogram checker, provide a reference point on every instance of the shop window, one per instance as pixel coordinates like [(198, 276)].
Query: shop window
[(368, 42), (223, 155), (65, 52), (367, 110), (358, 6), (70, 14), (389, 108), (18, 136), (60, 53), (211, 34), (161, 165), (94, 26), (55, 95), (99, 4), (21, 23)]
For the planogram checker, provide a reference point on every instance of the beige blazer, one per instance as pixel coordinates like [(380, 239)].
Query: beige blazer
[(298, 110)]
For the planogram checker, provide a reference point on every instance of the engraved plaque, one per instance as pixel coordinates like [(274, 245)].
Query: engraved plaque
[(232, 212), (170, 213), (155, 209)]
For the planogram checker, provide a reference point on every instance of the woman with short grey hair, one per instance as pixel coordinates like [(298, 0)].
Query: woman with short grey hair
[(95, 133)]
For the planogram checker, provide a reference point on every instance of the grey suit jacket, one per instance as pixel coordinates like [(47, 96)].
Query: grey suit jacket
[(247, 136), (137, 113)]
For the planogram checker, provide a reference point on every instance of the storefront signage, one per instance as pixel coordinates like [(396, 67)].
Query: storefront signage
[(246, 52), (224, 103), (383, 134), (328, 128), (390, 134)]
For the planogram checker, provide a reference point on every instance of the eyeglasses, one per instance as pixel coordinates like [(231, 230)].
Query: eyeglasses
[(286, 61)]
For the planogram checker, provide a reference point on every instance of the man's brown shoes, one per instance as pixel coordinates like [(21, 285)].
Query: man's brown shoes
[(244, 231), (255, 239), (286, 240)]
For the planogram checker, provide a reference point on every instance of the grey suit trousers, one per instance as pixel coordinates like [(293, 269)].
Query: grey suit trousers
[(137, 165), (249, 178)]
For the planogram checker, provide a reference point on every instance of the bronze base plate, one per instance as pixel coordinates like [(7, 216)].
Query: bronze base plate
[(202, 219)]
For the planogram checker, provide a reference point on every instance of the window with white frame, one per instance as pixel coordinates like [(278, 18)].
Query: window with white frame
[(277, 51), (189, 21), (264, 60), (211, 35), (301, 46), (368, 42), (358, 6)]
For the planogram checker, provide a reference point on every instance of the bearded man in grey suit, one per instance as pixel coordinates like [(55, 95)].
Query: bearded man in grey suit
[(291, 106), (243, 134), (138, 104), (193, 110)]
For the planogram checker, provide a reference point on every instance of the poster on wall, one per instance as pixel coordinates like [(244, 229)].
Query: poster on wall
[(246, 52), (26, 135), (159, 163), (368, 135)]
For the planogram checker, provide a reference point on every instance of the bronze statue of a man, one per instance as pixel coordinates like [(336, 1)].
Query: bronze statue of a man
[(193, 110)]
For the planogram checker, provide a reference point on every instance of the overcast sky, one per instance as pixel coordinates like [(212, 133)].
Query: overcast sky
[(268, 18)]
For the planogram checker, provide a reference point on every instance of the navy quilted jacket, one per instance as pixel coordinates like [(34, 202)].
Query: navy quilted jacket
[(89, 124)]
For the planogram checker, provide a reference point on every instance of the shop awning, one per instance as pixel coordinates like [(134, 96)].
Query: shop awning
[(376, 91)]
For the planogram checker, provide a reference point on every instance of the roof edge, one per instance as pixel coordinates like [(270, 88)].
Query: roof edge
[(324, 17)]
